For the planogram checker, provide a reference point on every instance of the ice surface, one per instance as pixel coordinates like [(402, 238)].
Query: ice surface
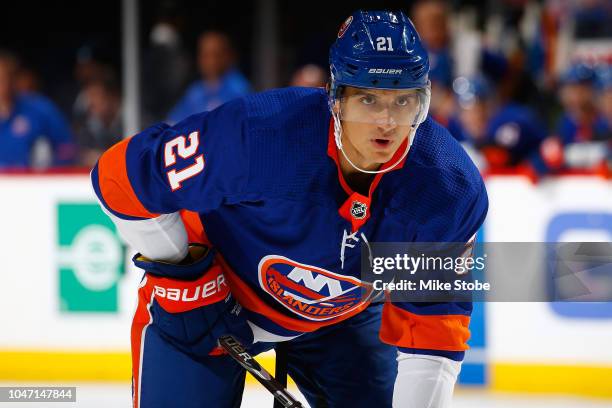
[(91, 395)]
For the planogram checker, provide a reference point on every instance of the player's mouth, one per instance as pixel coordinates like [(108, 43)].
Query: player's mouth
[(381, 143)]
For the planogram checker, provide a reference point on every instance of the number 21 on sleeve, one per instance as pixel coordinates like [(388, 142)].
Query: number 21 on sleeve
[(179, 146)]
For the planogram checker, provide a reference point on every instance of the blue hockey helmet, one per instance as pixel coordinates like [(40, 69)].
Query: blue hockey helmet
[(378, 50)]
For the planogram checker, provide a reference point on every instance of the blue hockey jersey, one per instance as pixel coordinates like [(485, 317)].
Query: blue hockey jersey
[(258, 179), (33, 116)]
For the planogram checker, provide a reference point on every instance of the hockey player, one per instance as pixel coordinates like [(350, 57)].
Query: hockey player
[(285, 186)]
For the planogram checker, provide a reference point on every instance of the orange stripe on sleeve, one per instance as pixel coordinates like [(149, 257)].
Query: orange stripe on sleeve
[(193, 226), (434, 332), (115, 185)]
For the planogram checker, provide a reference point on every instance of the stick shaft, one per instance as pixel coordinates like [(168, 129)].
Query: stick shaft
[(239, 353), (280, 369)]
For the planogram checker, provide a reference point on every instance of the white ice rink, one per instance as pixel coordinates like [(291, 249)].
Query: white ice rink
[(118, 396)]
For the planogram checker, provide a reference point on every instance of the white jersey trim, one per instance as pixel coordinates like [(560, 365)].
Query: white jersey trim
[(265, 336)]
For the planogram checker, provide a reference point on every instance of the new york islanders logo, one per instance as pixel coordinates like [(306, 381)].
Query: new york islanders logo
[(345, 26), (311, 292)]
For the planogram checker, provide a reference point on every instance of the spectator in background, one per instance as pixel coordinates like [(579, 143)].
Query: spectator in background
[(167, 66), (91, 60), (506, 135), (605, 107), (580, 121), (432, 20), (310, 76), (27, 80), (26, 119), (443, 104), (220, 80), (582, 131), (87, 68), (100, 126), (604, 98)]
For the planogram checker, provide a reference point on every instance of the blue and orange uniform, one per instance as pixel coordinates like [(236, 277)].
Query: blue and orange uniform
[(258, 179)]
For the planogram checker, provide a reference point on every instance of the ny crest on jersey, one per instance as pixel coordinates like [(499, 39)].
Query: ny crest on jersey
[(359, 210), (311, 292)]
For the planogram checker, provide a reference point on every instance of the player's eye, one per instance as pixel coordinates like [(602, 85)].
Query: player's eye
[(404, 100), (367, 100)]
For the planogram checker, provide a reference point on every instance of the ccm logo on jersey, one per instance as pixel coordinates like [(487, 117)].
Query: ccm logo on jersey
[(311, 292), (387, 71)]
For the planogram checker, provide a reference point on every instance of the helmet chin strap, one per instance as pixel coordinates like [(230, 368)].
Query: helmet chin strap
[(338, 139)]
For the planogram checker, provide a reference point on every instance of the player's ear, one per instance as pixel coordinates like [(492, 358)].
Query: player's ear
[(336, 107)]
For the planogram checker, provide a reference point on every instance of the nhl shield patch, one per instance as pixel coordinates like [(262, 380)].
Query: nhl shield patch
[(359, 210)]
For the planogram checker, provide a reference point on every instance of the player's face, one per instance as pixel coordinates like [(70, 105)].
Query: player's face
[(214, 55), (474, 119), (577, 99), (100, 102), (375, 122), (431, 21)]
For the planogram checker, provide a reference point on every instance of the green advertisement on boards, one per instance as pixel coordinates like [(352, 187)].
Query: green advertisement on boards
[(91, 259)]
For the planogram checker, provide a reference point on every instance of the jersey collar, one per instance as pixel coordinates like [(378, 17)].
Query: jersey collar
[(356, 208)]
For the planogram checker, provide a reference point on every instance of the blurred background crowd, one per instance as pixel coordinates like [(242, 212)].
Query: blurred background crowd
[(524, 85)]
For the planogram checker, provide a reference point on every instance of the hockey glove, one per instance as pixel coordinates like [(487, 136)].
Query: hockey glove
[(191, 303)]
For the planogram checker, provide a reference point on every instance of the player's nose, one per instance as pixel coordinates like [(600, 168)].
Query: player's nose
[(385, 121)]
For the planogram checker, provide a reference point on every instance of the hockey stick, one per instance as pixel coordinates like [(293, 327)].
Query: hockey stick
[(239, 353), (280, 369)]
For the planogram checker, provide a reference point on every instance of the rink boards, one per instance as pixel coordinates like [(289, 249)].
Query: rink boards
[(69, 289)]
